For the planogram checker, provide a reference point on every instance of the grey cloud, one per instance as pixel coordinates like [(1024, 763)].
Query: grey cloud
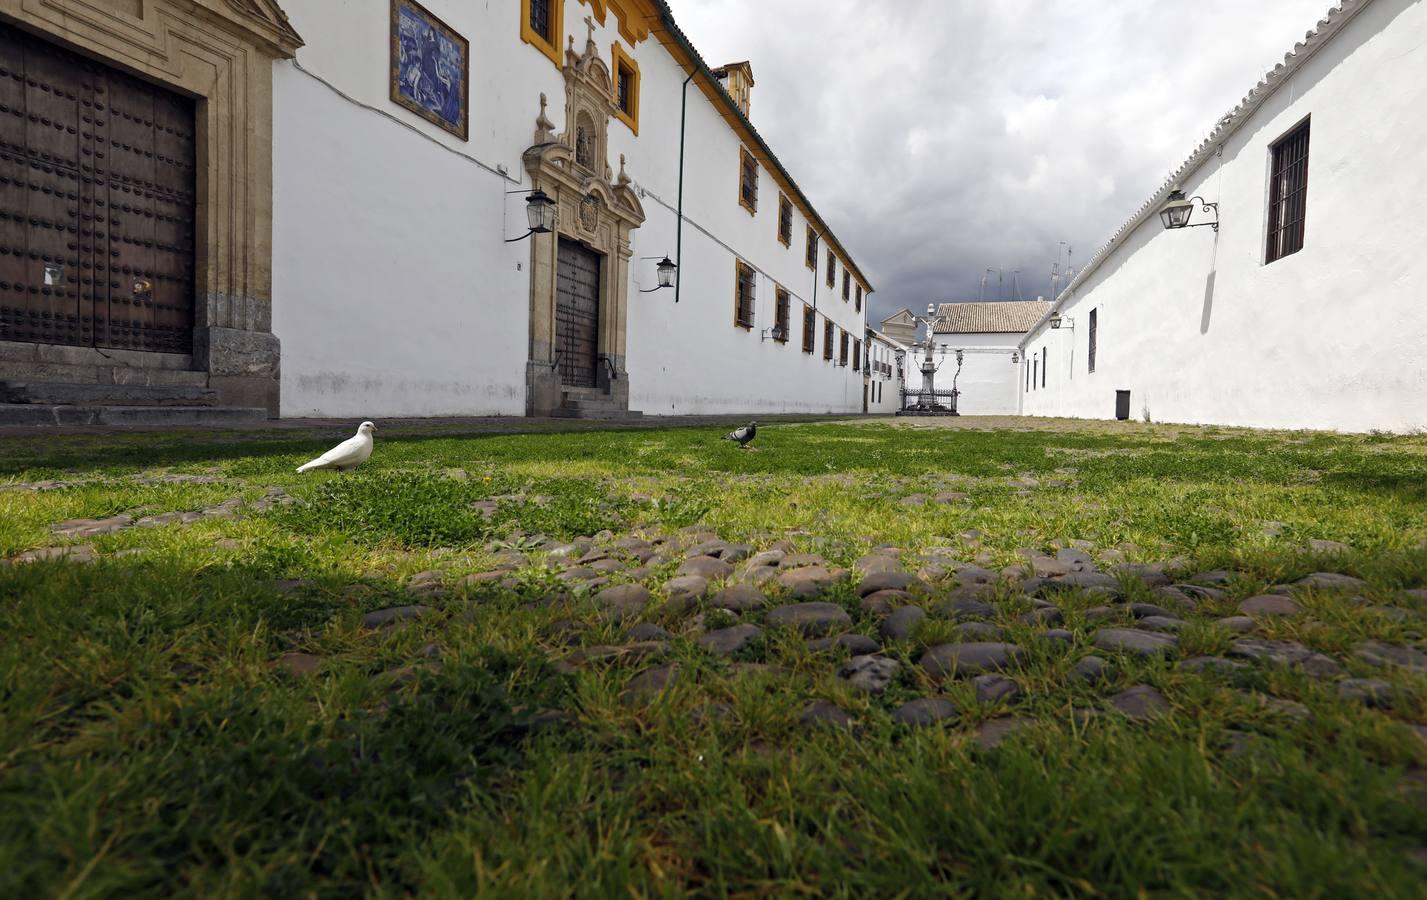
[(940, 138)]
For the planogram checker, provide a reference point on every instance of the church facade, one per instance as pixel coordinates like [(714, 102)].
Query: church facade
[(338, 201)]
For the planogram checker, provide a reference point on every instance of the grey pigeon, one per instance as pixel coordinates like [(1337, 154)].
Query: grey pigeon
[(743, 435)]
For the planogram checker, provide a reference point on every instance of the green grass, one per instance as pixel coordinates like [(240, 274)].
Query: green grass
[(149, 747)]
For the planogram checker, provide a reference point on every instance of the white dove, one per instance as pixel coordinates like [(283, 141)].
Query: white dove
[(347, 455)]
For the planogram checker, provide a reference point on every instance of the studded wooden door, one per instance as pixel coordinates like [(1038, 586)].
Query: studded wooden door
[(97, 196), (577, 313)]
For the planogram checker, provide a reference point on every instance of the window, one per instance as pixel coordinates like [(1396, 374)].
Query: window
[(809, 333), (541, 24), (785, 220), (812, 254), (1045, 363), (1035, 372), (827, 340), (831, 269), (1091, 355), (1288, 194), (856, 355), (842, 348), (781, 317), (1027, 388), (626, 88), (846, 285), (743, 296), (748, 182), (859, 298)]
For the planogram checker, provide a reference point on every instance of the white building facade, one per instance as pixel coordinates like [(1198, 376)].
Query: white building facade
[(1304, 307), (886, 373), (988, 335), (396, 292)]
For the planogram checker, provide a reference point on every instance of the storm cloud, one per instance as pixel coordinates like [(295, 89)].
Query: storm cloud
[(942, 137)]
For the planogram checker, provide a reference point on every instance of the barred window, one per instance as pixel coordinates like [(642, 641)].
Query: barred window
[(831, 269), (856, 355), (1093, 327), (812, 253), (785, 220), (842, 348), (846, 285), (540, 19), (743, 296), (827, 340), (859, 298), (781, 316), (1288, 194), (809, 329), (748, 182)]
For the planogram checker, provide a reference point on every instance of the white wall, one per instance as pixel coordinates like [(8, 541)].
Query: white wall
[(1199, 329), (886, 399), (988, 381), (394, 292)]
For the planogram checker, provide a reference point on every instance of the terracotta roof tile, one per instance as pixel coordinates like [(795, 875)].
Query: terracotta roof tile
[(1006, 317)]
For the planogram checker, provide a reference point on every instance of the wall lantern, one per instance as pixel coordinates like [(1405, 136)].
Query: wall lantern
[(776, 333), (1057, 320), (1176, 212), (666, 269), (1015, 358), (540, 210)]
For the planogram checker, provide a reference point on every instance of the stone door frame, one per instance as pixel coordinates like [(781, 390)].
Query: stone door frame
[(221, 53), (593, 207)]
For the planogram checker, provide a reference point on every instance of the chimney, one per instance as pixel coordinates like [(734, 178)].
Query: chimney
[(737, 80)]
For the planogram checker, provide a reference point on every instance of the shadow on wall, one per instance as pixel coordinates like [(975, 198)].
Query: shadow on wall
[(1208, 312)]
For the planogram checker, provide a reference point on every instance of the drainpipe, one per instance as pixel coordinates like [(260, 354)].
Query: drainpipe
[(679, 239)]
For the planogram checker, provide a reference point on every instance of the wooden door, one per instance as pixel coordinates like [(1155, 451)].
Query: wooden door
[(577, 313), (97, 203)]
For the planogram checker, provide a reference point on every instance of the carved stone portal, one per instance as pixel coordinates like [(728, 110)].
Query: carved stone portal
[(593, 208)]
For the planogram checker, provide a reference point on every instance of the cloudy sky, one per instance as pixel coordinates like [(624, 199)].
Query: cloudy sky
[(943, 137)]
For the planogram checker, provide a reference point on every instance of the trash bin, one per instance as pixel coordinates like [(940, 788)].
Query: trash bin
[(1122, 405)]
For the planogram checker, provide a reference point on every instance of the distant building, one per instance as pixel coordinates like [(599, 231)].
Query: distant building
[(1303, 306), (901, 326), (885, 373), (988, 333)]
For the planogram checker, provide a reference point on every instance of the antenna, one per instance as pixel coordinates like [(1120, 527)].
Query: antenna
[(983, 283), (1016, 282), (1000, 280)]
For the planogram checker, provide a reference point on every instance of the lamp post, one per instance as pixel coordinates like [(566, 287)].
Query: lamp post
[(666, 270), (1177, 211), (540, 213)]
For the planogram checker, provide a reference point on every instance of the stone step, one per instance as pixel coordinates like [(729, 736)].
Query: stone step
[(572, 412), (35, 372), (131, 416), (43, 393)]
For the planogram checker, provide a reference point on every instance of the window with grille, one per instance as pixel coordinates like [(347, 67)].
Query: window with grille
[(1091, 354), (809, 329), (842, 348), (1035, 372), (831, 269), (856, 355), (846, 285), (785, 220), (1045, 363), (748, 183), (540, 19), (1288, 194), (827, 340), (626, 87), (811, 259), (743, 297), (781, 317), (859, 298)]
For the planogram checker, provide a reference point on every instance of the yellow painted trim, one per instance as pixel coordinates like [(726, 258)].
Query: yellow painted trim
[(743, 157), (618, 57), (785, 203), (633, 15), (539, 41)]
